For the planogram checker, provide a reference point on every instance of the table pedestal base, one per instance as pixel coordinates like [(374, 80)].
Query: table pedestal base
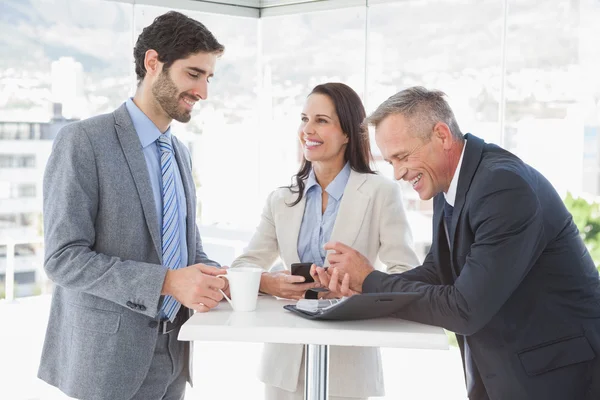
[(316, 379)]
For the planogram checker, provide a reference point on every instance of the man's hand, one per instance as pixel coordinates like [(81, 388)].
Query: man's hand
[(196, 287), (224, 277), (347, 264), (336, 288), (282, 284)]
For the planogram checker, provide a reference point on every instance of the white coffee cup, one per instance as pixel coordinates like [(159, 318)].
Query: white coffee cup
[(243, 287)]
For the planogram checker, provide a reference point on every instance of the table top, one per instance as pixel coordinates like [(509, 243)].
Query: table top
[(271, 323)]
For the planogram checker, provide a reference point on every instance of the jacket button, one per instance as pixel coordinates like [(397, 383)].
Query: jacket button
[(142, 307), (153, 324), (130, 304)]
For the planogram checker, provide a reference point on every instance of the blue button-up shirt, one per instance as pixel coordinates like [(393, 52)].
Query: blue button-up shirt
[(148, 134), (317, 226)]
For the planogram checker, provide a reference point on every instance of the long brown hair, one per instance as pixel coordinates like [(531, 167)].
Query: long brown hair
[(351, 114)]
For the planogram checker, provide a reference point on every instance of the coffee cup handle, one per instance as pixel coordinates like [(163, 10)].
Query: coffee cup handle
[(223, 293)]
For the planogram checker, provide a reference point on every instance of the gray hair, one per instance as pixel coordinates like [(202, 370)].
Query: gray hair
[(424, 108)]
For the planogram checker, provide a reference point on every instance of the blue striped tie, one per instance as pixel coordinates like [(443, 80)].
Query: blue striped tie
[(171, 250)]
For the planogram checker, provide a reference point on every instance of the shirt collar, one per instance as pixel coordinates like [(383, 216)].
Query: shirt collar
[(310, 181), (451, 194), (336, 188), (144, 127)]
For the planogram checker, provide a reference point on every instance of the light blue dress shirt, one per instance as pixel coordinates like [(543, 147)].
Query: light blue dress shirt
[(148, 134), (317, 226)]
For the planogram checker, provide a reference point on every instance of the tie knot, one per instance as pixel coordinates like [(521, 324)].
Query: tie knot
[(164, 143)]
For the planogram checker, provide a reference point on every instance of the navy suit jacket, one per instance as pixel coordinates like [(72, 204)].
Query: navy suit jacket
[(517, 283)]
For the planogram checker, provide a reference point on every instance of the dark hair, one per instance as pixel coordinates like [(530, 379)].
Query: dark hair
[(351, 114), (174, 36)]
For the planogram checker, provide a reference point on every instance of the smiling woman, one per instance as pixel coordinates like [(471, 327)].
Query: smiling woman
[(335, 196), (320, 133), (331, 134)]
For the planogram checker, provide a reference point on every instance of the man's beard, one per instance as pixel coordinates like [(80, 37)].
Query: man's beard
[(166, 93)]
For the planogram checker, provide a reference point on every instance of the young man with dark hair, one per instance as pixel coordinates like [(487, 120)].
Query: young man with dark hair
[(122, 244)]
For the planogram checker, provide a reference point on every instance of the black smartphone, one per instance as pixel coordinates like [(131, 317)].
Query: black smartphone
[(302, 269)]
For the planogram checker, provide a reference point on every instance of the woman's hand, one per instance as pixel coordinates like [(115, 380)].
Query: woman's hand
[(282, 284)]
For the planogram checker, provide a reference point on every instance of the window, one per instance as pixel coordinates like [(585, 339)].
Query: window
[(463, 59), (26, 161), (301, 51), (6, 160), (48, 59), (25, 190), (222, 134), (17, 161), (553, 91), (68, 55), (9, 131)]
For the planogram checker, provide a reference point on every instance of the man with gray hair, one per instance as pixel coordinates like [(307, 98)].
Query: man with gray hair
[(507, 271)]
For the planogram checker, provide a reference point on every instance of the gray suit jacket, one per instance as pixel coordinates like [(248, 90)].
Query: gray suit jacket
[(103, 252)]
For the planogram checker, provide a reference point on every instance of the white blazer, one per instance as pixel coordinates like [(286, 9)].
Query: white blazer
[(372, 220)]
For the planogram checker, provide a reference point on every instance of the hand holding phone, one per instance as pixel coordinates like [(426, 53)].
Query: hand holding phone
[(302, 269), (285, 285)]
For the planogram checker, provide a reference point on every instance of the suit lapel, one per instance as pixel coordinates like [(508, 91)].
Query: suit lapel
[(292, 219), (132, 148), (471, 159), (440, 242), (188, 184), (351, 213)]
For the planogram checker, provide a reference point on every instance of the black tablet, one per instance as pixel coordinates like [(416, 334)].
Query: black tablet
[(360, 306)]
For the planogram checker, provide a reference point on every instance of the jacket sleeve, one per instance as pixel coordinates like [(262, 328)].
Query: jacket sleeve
[(71, 196), (396, 248), (426, 272), (507, 241), (263, 248)]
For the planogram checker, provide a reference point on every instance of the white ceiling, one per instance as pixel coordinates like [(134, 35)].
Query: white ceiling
[(263, 4), (260, 4), (280, 7), (257, 8)]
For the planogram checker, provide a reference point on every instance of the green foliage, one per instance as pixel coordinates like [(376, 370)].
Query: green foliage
[(451, 338), (587, 218)]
